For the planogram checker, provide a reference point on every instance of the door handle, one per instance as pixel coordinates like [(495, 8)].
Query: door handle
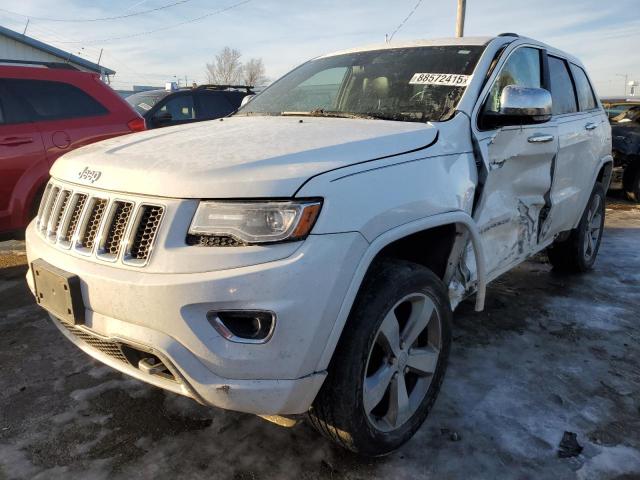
[(15, 141), (540, 138), (590, 126)]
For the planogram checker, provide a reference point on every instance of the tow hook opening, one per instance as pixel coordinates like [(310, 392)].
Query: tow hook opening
[(147, 362)]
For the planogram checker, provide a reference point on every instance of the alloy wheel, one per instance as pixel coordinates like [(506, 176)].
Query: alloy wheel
[(402, 362), (593, 227)]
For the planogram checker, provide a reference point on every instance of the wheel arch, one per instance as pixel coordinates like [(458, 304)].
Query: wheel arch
[(605, 172), (389, 244)]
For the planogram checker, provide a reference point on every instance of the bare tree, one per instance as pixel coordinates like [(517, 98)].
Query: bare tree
[(226, 69), (253, 72)]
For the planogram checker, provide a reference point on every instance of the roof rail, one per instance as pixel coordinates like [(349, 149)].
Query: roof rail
[(212, 86), (509, 34), (60, 65)]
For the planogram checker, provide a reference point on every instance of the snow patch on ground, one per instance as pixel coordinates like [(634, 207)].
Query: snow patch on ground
[(611, 461)]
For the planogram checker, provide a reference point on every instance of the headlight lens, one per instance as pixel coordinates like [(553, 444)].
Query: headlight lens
[(256, 222)]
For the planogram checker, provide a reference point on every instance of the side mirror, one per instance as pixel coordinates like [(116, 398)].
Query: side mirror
[(521, 106), (246, 100), (531, 104)]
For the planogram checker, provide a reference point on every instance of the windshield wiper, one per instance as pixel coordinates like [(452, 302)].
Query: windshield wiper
[(319, 112)]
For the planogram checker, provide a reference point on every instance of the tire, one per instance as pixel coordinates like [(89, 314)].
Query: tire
[(347, 410), (578, 252), (631, 183)]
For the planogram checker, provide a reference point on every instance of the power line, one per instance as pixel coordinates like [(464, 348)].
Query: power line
[(390, 37), (116, 17), (139, 34)]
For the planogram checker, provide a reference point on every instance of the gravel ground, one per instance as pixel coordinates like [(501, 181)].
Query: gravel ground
[(549, 354)]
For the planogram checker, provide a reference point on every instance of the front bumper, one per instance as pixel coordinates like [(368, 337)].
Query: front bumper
[(165, 313)]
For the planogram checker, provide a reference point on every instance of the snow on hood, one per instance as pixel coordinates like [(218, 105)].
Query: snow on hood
[(237, 157)]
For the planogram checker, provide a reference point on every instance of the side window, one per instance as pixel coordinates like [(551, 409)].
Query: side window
[(562, 94), (522, 69), (12, 111), (214, 105), (180, 107), (56, 100), (586, 98)]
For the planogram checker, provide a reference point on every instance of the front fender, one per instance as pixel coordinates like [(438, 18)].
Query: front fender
[(448, 218)]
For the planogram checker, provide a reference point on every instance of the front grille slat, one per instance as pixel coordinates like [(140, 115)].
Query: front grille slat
[(90, 232), (48, 208), (116, 228), (145, 233), (79, 202), (111, 229), (43, 203), (58, 214)]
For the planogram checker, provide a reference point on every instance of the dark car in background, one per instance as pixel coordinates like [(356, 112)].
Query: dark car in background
[(614, 106), (47, 110), (625, 132), (162, 108)]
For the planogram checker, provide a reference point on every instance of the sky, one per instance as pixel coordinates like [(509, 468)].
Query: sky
[(605, 35)]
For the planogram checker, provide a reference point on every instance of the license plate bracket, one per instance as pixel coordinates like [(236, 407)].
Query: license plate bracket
[(58, 292)]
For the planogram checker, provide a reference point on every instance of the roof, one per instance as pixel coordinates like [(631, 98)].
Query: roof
[(69, 57), (438, 42)]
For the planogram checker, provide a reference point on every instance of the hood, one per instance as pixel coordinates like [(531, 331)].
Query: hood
[(248, 157)]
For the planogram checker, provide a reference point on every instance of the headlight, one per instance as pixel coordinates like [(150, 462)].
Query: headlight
[(256, 222)]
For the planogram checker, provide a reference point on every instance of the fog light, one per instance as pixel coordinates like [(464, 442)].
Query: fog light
[(244, 326)]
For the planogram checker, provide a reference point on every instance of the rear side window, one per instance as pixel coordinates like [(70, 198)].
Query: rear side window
[(586, 98), (564, 98), (56, 100), (214, 105), (180, 107)]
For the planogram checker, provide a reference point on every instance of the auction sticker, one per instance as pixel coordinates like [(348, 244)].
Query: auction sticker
[(451, 79)]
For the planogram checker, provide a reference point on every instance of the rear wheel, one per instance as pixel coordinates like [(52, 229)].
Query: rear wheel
[(389, 364), (578, 252)]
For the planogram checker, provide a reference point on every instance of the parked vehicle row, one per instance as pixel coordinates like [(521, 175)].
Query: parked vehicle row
[(304, 255), (625, 128), (163, 108)]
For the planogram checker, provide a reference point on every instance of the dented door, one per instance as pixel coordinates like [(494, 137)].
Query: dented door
[(515, 200)]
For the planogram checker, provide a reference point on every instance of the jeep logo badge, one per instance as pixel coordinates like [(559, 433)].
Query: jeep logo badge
[(90, 175)]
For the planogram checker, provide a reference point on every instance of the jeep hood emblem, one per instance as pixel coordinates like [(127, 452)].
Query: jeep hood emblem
[(90, 175)]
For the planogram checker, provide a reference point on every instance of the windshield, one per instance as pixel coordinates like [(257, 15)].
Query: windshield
[(144, 101), (416, 84), (632, 114)]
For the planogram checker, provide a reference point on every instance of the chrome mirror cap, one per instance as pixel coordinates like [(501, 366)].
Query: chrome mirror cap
[(534, 103), (246, 100)]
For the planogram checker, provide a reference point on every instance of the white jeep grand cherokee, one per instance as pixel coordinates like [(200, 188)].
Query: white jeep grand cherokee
[(306, 253)]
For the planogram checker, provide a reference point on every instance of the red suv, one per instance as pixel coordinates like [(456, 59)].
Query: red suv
[(44, 113)]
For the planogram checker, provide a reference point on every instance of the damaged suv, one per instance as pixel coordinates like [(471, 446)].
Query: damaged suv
[(305, 254)]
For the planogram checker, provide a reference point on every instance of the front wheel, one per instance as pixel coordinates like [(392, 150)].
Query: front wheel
[(578, 252), (389, 364)]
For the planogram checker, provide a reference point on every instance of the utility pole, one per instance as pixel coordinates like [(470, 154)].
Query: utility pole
[(462, 7), (626, 80), (26, 26)]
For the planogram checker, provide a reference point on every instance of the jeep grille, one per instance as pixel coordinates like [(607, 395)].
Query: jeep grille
[(109, 228)]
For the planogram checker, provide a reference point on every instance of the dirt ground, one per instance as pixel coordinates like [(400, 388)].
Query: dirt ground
[(549, 354)]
